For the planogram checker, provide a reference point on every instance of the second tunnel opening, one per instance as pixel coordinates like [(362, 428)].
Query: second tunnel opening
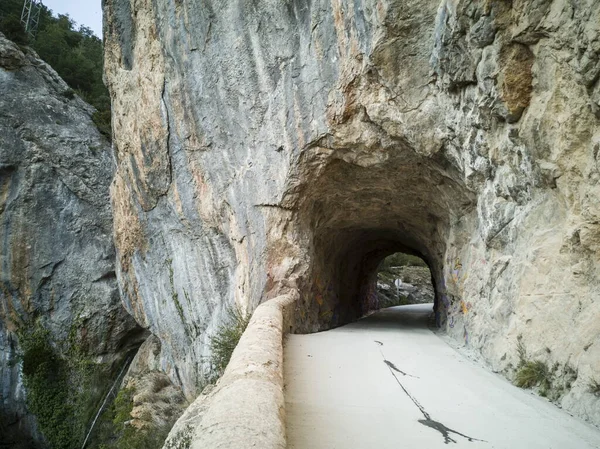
[(403, 279)]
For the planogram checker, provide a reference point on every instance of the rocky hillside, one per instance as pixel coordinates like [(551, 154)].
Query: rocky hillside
[(63, 332), (404, 285)]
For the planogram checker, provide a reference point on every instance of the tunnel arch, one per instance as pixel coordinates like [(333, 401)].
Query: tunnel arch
[(354, 214), (344, 276)]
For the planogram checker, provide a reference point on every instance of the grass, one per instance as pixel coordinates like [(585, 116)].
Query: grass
[(550, 382), (533, 374), (594, 387), (224, 341), (521, 351)]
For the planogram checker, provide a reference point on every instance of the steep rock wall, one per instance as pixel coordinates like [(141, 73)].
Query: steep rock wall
[(57, 251), (293, 145)]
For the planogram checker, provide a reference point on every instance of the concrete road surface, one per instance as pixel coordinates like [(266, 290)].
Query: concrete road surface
[(387, 381)]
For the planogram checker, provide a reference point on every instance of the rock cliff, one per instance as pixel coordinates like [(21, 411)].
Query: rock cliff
[(60, 308), (293, 145)]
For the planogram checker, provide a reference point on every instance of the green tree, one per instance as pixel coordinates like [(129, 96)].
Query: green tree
[(76, 54)]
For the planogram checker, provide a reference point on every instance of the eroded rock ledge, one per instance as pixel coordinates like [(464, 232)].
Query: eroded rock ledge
[(293, 145)]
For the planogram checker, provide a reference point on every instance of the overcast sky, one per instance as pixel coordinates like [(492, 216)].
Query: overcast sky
[(84, 12)]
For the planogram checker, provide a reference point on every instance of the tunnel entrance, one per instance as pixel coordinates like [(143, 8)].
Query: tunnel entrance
[(403, 279), (342, 286), (356, 206)]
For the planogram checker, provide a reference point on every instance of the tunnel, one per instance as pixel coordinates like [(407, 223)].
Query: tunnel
[(357, 214)]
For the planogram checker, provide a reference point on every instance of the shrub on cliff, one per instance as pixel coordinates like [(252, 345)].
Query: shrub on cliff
[(58, 390), (552, 383), (116, 431), (63, 386), (13, 30), (47, 384), (225, 340)]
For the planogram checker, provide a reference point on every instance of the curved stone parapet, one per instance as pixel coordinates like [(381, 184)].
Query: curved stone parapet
[(246, 408)]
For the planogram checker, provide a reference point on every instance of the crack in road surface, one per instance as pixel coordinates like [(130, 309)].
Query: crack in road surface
[(395, 368), (431, 423), (391, 364), (349, 401)]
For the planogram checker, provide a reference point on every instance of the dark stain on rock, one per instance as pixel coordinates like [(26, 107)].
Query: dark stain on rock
[(378, 342)]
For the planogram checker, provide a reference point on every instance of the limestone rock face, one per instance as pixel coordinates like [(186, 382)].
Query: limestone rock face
[(57, 250), (263, 148)]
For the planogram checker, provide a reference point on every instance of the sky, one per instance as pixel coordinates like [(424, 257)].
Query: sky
[(84, 12)]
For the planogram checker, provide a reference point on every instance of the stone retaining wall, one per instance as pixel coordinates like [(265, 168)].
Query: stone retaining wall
[(246, 407)]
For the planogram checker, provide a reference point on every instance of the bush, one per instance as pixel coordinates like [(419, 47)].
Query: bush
[(52, 396), (225, 340), (63, 386), (102, 121), (550, 382), (115, 431), (46, 383), (533, 374), (13, 30)]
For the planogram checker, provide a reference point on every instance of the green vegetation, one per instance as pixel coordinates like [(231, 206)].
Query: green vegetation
[(521, 351), (46, 381), (225, 340), (76, 54), (395, 266), (401, 260), (115, 430), (549, 382), (175, 295), (60, 388), (534, 374)]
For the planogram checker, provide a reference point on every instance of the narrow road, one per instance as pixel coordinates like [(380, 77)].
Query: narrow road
[(387, 381)]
